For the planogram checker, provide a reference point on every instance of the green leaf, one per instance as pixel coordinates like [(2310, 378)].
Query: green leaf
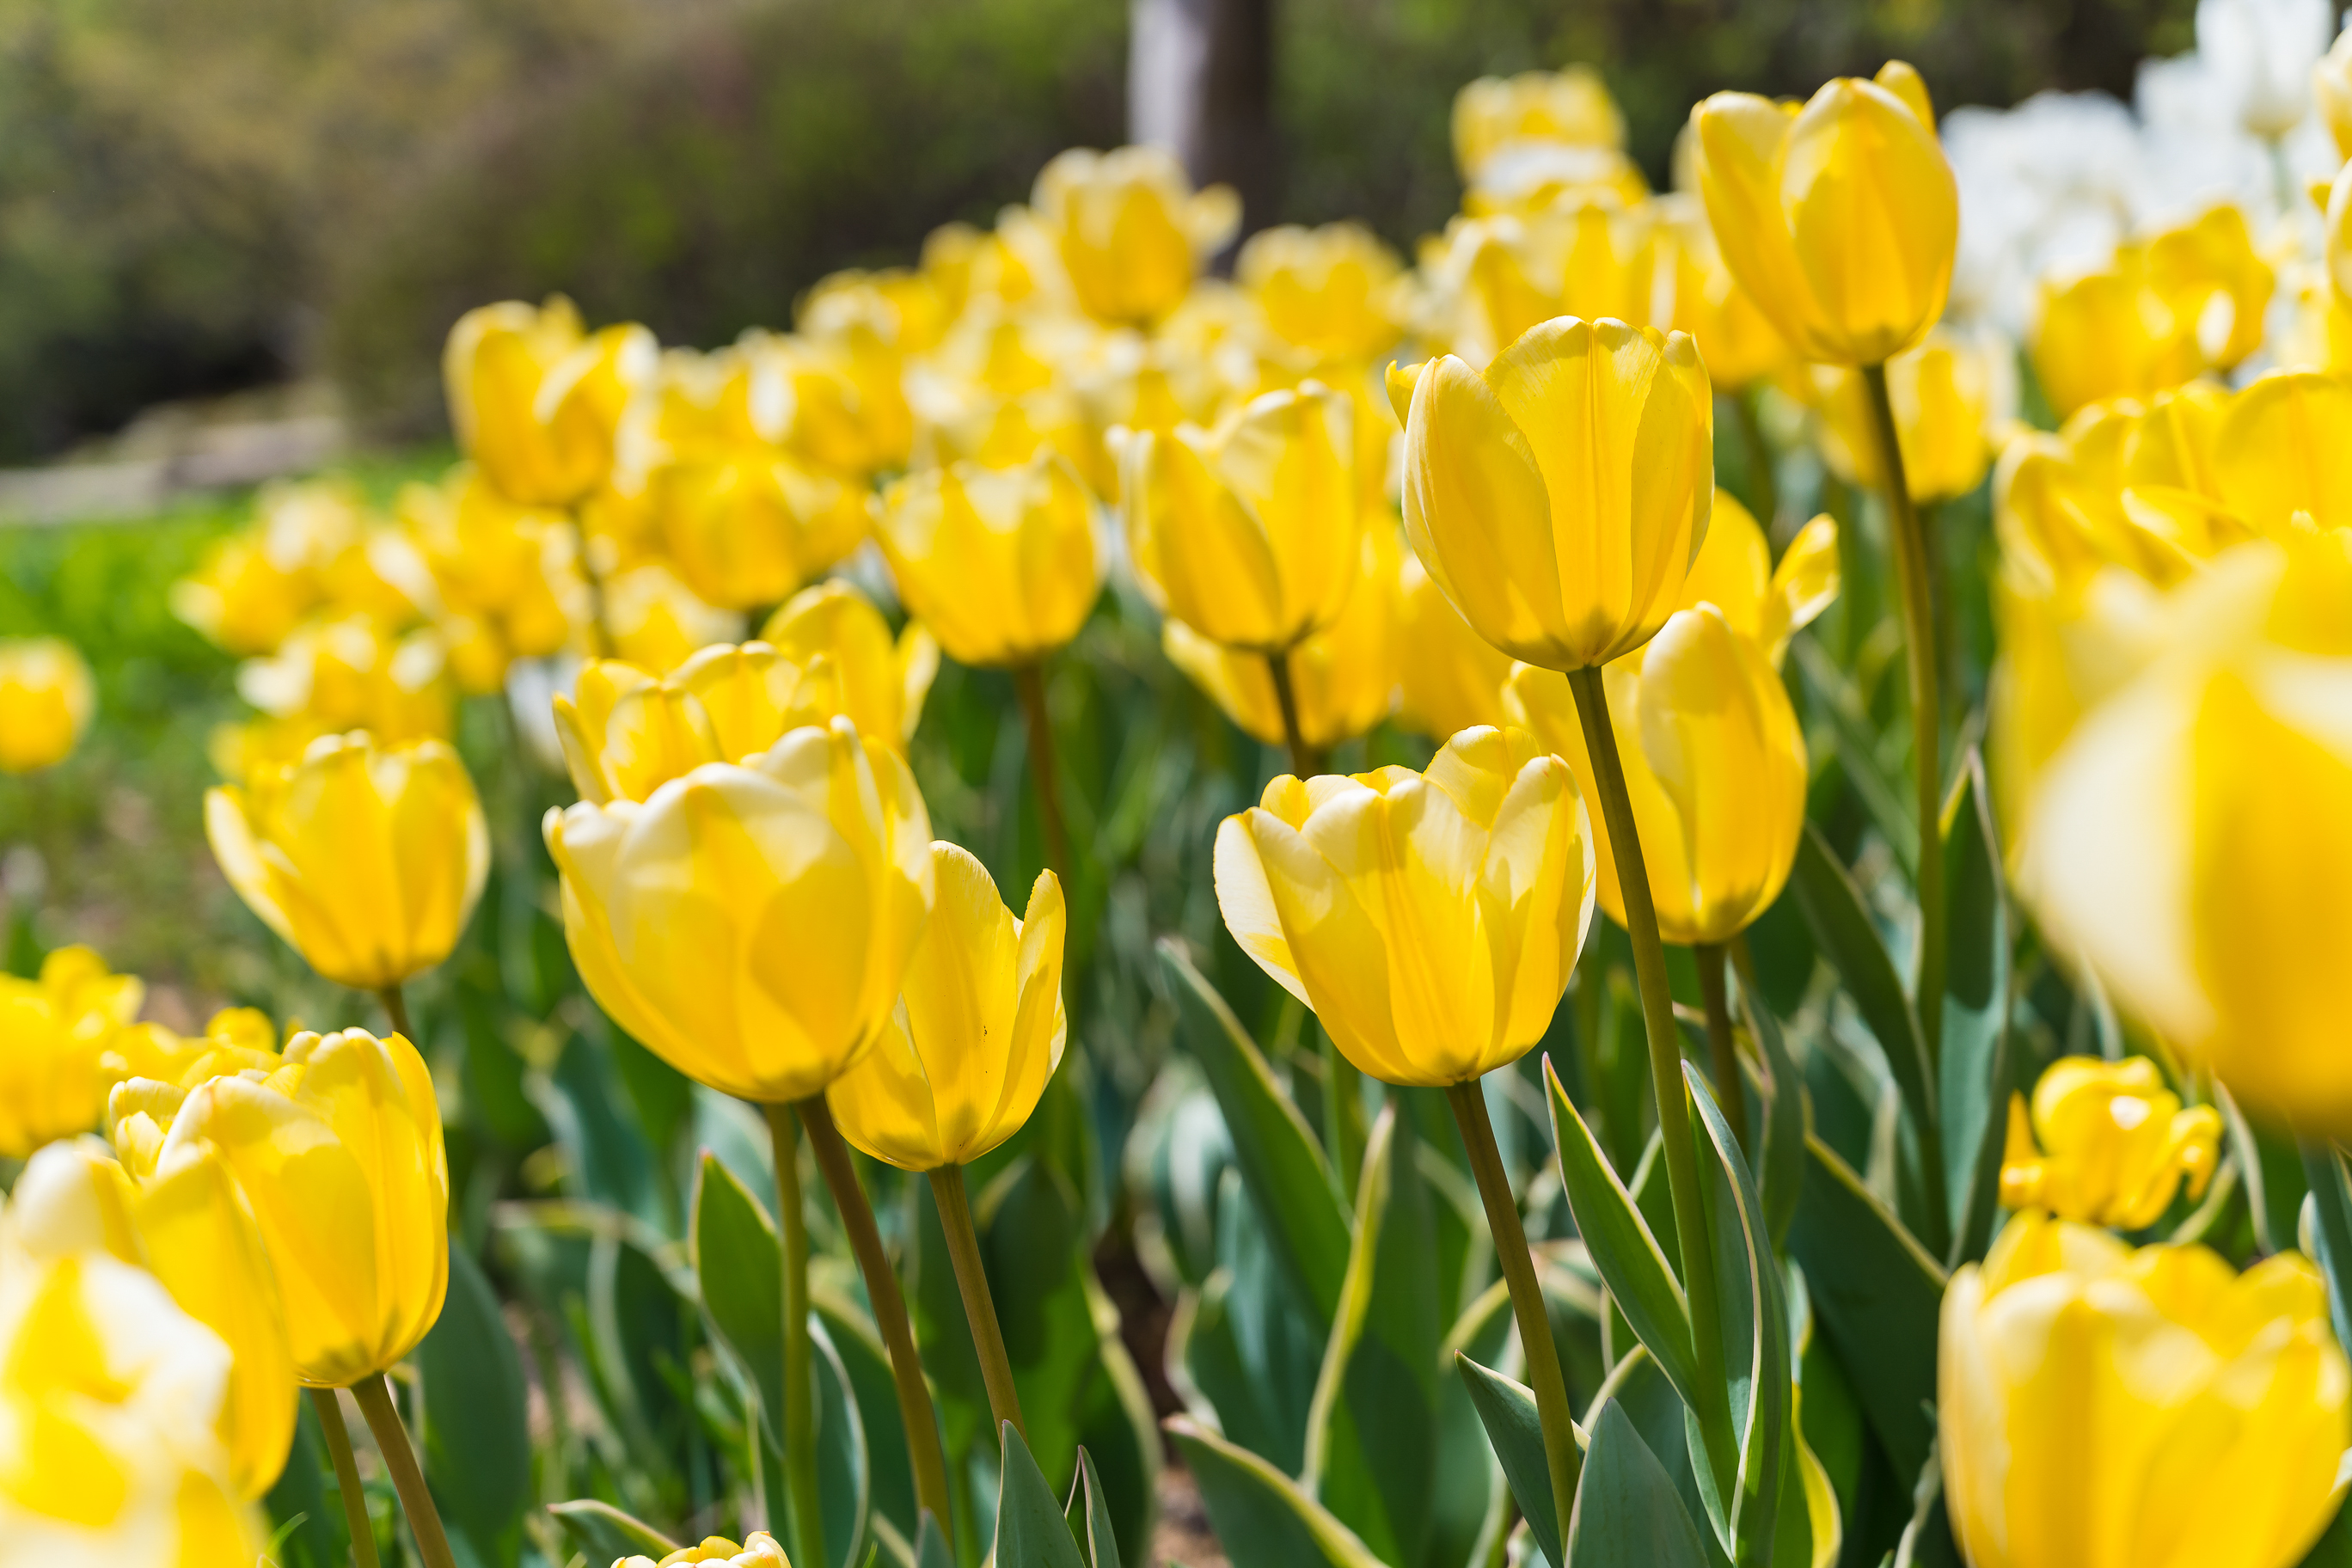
[(740, 1265), (476, 1423), (1974, 1068), (1787, 1119), (1887, 804), (867, 1363), (1261, 1516), (1628, 1514), (930, 1546), (1091, 1518), (1507, 1409), (1281, 1161), (1834, 907), (605, 1534), (1030, 1528), (1621, 1245), (2331, 1202), (1876, 1296)]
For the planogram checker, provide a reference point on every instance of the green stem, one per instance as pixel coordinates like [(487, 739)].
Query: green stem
[(1921, 658), (1665, 1066), (1029, 680), (375, 1397), (979, 1306), (330, 1411), (923, 1455), (1343, 1110), (1723, 1053), (1553, 1409), (396, 1007), (799, 1422), (1760, 477), (1306, 762)]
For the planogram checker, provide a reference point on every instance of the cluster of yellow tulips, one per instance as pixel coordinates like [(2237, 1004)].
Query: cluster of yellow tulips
[(1476, 501)]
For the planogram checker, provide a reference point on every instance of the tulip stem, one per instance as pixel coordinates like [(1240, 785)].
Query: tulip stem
[(979, 1306), (1665, 1066), (1553, 1412), (1921, 658), (375, 1397), (923, 1454), (799, 1422), (396, 1007), (1721, 1050), (1343, 1110), (1305, 760), (1029, 680), (330, 1411)]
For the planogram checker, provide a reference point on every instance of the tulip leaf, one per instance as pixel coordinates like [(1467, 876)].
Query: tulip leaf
[(1624, 1250), (1876, 1296), (1628, 1513), (1030, 1527), (1808, 1531), (740, 1263), (1841, 925), (1974, 1072), (1262, 1516), (2331, 1204), (1787, 1117), (1247, 1344), (859, 1345), (932, 1546), (605, 1534), (1089, 1518), (606, 1153), (476, 1428), (1507, 1409), (1637, 1387), (1280, 1160), (1887, 804)]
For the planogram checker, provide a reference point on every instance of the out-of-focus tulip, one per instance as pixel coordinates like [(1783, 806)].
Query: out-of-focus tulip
[(2105, 1143), (1130, 229), (1558, 496), (188, 1226), (1331, 291), (1737, 344), (758, 1550), (65, 1039), (535, 399), (1249, 533), (1430, 919), (979, 1029), (2260, 55), (1946, 392), (2331, 89), (839, 403), (2283, 454), (509, 575), (1763, 603), (1449, 677), (655, 620), (2101, 1407), (1494, 115), (337, 1150), (111, 1398), (997, 563), (46, 699), (331, 676), (883, 680), (1841, 219), (752, 925), (1343, 678), (1494, 277), (753, 531), (310, 552), (366, 858)]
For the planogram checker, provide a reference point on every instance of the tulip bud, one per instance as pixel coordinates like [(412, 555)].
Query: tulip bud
[(62, 1040), (1332, 292), (758, 1550), (535, 399), (1249, 533), (1130, 229), (368, 859), (2115, 1144), (979, 1028), (1431, 920), (752, 923), (2102, 1406), (1737, 344), (999, 564), (1558, 496), (46, 699), (1840, 220)]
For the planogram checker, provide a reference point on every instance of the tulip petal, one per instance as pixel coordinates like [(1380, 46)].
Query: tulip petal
[(1477, 514)]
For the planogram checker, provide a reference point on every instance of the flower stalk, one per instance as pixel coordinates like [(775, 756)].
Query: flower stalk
[(1029, 680), (330, 1412), (799, 1422), (979, 1306), (375, 1397)]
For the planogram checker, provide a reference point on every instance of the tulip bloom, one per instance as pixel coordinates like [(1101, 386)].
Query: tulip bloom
[(2103, 1407), (367, 859), (752, 925), (535, 399), (2331, 90), (46, 701), (760, 1550), (1449, 677), (1130, 229), (65, 1041), (1331, 293), (883, 682), (1495, 115), (979, 1029), (1840, 220), (1249, 533), (999, 564), (1430, 920), (753, 529), (509, 575), (2115, 1144), (1559, 496), (337, 1150)]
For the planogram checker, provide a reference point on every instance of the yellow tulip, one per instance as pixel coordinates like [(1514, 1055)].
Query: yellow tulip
[(1343, 678), (2102, 1407), (752, 923), (1558, 496), (1449, 677), (508, 575), (1431, 920), (310, 552), (187, 1225), (1494, 114), (336, 1149), (346, 673), (1249, 533), (841, 405), (760, 1550), (2283, 454), (46, 701), (2331, 88), (535, 399), (65, 1039), (979, 1029), (367, 859), (1332, 292), (655, 620), (2105, 1143), (894, 309), (1591, 259), (1737, 344), (752, 530), (113, 1398), (1841, 219), (999, 564), (1130, 229), (1946, 394), (884, 681)]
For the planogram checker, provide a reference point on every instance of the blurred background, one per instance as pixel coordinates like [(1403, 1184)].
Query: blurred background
[(210, 197)]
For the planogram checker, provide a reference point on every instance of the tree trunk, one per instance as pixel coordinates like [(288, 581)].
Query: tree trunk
[(1200, 83)]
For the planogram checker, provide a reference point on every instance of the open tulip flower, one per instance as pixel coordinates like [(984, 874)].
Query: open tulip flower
[(2103, 1407), (1331, 293), (367, 859), (535, 399), (46, 699), (1129, 230), (884, 679), (2115, 1144), (758, 1550), (66, 1039), (999, 564)]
